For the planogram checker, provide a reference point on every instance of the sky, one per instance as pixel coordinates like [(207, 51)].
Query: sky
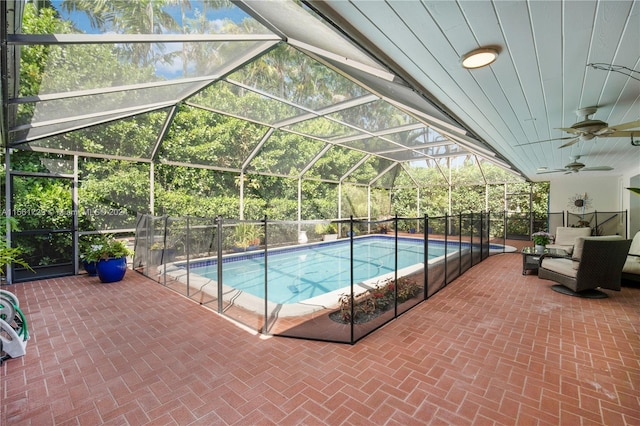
[(82, 22), (173, 70)]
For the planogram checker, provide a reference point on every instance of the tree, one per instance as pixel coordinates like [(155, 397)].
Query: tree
[(131, 17)]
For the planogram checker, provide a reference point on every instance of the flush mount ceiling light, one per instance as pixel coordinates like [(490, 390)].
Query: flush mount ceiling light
[(479, 58)]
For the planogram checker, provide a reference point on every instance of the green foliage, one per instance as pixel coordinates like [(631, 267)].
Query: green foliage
[(181, 202), (334, 164), (104, 247), (354, 201), (404, 202), (276, 156), (378, 299), (111, 194), (43, 203), (541, 238), (326, 228), (319, 200), (291, 75), (88, 244), (55, 68), (465, 199), (203, 137), (131, 137), (9, 255), (141, 17), (246, 234), (34, 58)]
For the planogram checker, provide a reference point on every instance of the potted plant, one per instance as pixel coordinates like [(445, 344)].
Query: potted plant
[(328, 231), (541, 239), (246, 236), (88, 245), (165, 246), (111, 259), (155, 253)]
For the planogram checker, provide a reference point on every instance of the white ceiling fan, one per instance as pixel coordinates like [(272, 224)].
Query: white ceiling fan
[(588, 129), (574, 167)]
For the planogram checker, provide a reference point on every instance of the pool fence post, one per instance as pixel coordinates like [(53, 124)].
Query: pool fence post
[(265, 329), (351, 279), (481, 235), (487, 232), (446, 246), (187, 248), (504, 226), (425, 274), (219, 262), (471, 228), (481, 230), (395, 268), (459, 243), (164, 248)]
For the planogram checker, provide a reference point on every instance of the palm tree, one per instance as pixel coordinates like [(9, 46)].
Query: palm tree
[(129, 17)]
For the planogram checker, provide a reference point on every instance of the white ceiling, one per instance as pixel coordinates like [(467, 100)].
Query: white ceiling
[(541, 77)]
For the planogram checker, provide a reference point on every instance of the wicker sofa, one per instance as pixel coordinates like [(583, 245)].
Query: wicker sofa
[(596, 262), (631, 267)]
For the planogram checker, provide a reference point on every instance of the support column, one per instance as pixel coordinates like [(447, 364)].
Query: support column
[(152, 188), (8, 212), (75, 208), (299, 204)]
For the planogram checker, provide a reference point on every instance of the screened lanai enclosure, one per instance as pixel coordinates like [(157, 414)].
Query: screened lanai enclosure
[(209, 132)]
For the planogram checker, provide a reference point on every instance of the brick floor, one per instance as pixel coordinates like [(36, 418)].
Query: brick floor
[(493, 347)]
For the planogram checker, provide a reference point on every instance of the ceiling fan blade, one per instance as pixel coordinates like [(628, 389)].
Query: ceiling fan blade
[(571, 142), (625, 126), (620, 134), (570, 130), (546, 140), (596, 169), (550, 171)]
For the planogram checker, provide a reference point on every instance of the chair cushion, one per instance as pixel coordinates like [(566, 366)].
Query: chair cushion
[(577, 248), (635, 245), (566, 236), (632, 266), (560, 265)]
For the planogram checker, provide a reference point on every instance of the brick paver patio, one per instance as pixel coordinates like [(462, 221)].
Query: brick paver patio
[(493, 347)]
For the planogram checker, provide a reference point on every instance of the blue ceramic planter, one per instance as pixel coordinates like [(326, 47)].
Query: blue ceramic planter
[(90, 267), (112, 270)]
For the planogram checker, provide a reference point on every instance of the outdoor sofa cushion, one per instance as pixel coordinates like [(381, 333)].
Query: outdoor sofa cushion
[(631, 268), (577, 248), (566, 236)]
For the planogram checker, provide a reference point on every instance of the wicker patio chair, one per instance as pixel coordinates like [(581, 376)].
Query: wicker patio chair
[(596, 262)]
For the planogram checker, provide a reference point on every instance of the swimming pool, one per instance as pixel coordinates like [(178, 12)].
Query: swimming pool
[(304, 272)]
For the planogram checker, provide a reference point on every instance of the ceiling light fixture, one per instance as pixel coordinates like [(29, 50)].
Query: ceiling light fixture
[(479, 58)]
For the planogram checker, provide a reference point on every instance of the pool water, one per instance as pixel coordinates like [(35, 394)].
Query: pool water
[(308, 271)]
